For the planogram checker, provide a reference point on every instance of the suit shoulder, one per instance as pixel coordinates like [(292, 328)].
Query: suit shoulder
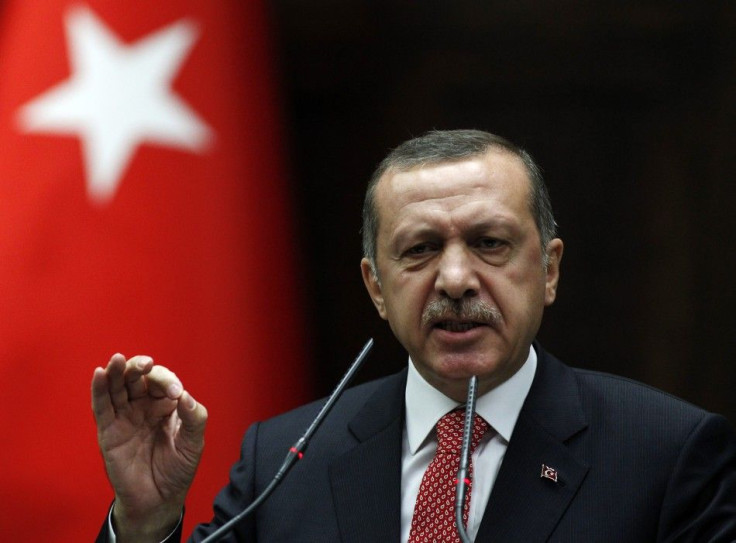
[(344, 409), (608, 383), (635, 401)]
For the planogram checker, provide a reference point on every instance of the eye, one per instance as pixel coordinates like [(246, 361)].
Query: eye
[(490, 243), (419, 249)]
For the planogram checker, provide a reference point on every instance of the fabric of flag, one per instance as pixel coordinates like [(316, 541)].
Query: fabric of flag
[(143, 210)]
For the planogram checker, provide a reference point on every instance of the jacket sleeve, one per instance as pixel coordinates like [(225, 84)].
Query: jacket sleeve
[(700, 501), (107, 534), (235, 497)]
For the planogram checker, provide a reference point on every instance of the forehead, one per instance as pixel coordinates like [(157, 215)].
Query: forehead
[(496, 180)]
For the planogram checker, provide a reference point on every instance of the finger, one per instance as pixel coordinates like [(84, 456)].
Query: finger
[(115, 372), (161, 408), (162, 383), (193, 417), (135, 369), (101, 403)]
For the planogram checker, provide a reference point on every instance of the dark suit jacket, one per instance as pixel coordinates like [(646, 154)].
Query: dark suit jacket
[(634, 465)]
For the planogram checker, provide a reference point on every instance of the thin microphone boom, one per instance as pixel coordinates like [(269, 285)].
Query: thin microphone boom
[(463, 474), (297, 450)]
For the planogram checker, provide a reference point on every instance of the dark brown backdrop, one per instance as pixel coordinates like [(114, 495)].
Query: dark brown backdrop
[(629, 108)]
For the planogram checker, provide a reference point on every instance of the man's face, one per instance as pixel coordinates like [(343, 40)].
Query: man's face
[(461, 278)]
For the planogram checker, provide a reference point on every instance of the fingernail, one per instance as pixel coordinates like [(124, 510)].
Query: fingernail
[(142, 362), (191, 403), (174, 390)]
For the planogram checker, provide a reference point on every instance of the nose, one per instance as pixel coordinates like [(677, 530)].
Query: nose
[(456, 275)]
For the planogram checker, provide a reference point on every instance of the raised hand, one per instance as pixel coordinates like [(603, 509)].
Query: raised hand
[(151, 434)]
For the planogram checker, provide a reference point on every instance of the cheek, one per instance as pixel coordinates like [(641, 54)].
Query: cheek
[(405, 301), (517, 289)]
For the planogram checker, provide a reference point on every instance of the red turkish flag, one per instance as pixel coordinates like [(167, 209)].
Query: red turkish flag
[(143, 209)]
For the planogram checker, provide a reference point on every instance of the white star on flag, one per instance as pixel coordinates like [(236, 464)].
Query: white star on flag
[(117, 97)]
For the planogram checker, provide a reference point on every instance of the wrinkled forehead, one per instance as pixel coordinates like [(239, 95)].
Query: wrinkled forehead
[(497, 175)]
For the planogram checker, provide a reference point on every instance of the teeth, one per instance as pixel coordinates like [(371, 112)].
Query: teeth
[(451, 326)]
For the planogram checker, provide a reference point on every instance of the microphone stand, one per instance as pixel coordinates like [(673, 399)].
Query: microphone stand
[(297, 450), (463, 475)]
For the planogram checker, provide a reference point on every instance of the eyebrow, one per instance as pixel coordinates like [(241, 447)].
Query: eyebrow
[(425, 229)]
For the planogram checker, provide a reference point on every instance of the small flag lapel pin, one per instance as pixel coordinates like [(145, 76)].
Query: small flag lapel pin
[(549, 473)]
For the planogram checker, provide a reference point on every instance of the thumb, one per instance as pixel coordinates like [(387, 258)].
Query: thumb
[(193, 417)]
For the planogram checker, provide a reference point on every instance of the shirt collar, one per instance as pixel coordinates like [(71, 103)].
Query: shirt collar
[(500, 407)]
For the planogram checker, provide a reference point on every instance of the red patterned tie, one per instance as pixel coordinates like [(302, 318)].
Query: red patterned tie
[(434, 512)]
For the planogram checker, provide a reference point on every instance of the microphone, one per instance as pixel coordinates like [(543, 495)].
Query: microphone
[(297, 450), (463, 475)]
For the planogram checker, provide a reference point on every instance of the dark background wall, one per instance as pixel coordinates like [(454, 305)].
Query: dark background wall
[(628, 107)]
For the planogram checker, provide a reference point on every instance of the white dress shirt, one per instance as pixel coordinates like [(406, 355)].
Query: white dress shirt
[(425, 405)]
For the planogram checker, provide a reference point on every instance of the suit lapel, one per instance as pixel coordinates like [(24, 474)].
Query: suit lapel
[(366, 481), (524, 506)]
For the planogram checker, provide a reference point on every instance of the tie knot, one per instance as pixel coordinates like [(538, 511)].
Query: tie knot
[(450, 432)]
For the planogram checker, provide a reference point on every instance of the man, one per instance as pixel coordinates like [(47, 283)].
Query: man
[(461, 258)]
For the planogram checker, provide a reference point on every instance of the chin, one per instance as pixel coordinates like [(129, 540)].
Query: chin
[(464, 366)]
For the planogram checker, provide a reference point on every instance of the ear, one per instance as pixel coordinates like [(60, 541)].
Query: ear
[(373, 286), (554, 256)]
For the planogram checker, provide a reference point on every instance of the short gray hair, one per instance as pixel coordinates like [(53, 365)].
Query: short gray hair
[(454, 145)]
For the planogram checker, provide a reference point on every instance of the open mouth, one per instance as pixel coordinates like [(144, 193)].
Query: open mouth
[(455, 326)]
